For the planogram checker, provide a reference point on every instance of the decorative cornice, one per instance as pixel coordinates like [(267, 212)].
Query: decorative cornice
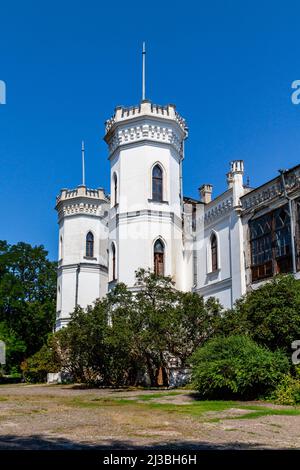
[(146, 213), (213, 287), (266, 193), (218, 210), (145, 122), (80, 208), (147, 132), (84, 265)]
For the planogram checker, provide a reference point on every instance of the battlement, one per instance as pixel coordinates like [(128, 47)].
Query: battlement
[(145, 108), (80, 191)]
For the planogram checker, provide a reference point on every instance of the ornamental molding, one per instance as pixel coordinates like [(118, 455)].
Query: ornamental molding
[(217, 211), (274, 189), (83, 266), (147, 131), (213, 287), (80, 208), (146, 215)]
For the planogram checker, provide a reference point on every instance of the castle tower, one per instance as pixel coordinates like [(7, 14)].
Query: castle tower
[(145, 145), (82, 265)]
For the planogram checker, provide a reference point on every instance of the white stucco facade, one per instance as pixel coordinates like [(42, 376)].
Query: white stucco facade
[(138, 139), (145, 222), (81, 279)]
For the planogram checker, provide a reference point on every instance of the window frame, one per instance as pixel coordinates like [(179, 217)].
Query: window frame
[(214, 252), (277, 256), (159, 257), (113, 262), (157, 182), (89, 245), (115, 189)]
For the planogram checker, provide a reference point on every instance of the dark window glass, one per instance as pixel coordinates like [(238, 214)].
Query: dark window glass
[(270, 239), (157, 183), (214, 252), (89, 245), (159, 252), (113, 250), (115, 189)]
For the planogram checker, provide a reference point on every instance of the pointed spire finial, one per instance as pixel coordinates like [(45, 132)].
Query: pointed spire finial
[(83, 163), (144, 72)]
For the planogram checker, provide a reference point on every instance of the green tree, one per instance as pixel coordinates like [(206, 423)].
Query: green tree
[(170, 323), (14, 347), (36, 367), (27, 293), (237, 367), (127, 334), (270, 314)]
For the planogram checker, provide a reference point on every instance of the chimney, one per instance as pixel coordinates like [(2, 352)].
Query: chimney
[(237, 167), (237, 171), (205, 192), (229, 179)]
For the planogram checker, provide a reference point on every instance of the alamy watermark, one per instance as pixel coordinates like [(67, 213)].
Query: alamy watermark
[(2, 353), (2, 92), (296, 354), (295, 96)]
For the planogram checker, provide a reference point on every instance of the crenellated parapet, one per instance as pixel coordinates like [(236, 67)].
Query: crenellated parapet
[(146, 121), (81, 200)]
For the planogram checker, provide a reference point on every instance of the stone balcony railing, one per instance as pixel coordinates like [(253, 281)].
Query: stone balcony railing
[(145, 108)]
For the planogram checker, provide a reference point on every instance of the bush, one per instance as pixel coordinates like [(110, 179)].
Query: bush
[(287, 392), (236, 367), (36, 367)]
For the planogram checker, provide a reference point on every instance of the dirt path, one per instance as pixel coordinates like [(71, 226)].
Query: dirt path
[(61, 417)]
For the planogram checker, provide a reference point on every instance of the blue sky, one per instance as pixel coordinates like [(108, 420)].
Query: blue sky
[(227, 65)]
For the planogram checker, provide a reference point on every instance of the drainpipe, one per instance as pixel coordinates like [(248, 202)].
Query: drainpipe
[(77, 284), (180, 177), (289, 199)]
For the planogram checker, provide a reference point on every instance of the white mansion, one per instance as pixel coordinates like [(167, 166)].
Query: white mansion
[(221, 246)]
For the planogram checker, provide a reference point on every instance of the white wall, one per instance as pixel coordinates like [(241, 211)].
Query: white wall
[(217, 283), (78, 275), (140, 220), (133, 165)]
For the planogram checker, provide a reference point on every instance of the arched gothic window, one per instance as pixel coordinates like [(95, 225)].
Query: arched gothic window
[(113, 259), (115, 180), (157, 184), (89, 247), (159, 258), (214, 252)]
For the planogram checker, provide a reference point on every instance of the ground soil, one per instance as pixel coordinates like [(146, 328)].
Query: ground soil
[(68, 417)]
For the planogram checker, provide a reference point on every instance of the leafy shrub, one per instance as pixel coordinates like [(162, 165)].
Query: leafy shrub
[(288, 391), (36, 367), (236, 367)]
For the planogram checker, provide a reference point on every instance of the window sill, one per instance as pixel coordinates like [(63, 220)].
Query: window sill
[(158, 202), (90, 258), (216, 271)]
